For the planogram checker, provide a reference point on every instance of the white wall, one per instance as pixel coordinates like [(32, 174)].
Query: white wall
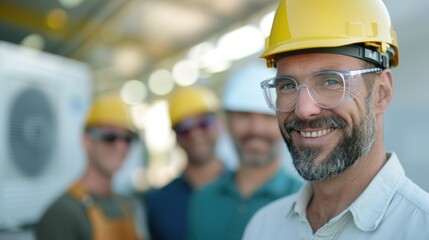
[(407, 120)]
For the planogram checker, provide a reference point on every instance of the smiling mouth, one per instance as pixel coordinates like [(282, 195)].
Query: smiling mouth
[(316, 134)]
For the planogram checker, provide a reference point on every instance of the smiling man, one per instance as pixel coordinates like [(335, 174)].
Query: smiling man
[(332, 88)]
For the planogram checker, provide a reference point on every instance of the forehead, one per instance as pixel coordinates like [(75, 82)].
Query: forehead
[(313, 62)]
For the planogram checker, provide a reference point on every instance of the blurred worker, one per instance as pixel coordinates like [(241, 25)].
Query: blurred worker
[(193, 115), (89, 210), (222, 209), (332, 89)]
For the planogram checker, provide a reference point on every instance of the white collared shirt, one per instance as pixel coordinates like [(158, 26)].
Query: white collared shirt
[(391, 207)]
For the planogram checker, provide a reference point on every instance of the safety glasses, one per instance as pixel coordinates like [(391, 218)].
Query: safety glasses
[(203, 122), (110, 137), (327, 89)]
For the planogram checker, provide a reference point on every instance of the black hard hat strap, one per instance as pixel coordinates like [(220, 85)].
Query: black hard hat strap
[(369, 54)]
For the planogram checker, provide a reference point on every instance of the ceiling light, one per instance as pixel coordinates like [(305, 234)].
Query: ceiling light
[(70, 3), (128, 60), (34, 41), (56, 19), (241, 42), (218, 67), (185, 72), (158, 135), (213, 58), (173, 23), (138, 113), (133, 92), (161, 82)]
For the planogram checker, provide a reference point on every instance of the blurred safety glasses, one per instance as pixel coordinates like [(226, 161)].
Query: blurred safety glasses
[(111, 137), (203, 122)]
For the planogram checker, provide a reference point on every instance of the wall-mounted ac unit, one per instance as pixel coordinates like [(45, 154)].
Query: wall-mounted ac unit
[(43, 102)]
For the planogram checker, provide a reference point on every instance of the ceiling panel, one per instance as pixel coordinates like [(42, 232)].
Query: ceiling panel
[(123, 38)]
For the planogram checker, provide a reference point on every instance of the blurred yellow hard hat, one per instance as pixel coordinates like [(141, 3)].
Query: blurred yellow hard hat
[(109, 109), (191, 101), (309, 24)]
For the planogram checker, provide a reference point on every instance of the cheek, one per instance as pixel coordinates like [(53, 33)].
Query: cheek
[(236, 127), (272, 128), (282, 118), (357, 114), (237, 130), (213, 131)]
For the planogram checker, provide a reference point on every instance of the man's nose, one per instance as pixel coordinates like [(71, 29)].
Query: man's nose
[(305, 106)]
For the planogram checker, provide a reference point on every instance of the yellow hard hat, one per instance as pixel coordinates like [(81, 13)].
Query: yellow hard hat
[(190, 101), (109, 109), (308, 24)]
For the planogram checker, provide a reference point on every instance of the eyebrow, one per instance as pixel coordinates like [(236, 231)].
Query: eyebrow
[(313, 73)]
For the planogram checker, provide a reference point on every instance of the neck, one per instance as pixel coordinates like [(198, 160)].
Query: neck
[(200, 175), (96, 183), (249, 179), (333, 196)]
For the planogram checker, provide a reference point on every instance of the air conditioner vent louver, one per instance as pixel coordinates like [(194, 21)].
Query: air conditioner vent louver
[(32, 134)]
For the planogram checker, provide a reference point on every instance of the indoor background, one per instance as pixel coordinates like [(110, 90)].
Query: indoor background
[(145, 49)]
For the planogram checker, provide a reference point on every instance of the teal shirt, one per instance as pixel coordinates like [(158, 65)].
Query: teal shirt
[(219, 212)]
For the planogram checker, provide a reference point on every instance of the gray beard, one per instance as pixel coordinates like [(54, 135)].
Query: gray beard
[(250, 161), (350, 148)]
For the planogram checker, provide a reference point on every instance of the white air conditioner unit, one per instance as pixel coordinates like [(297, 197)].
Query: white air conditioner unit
[(43, 101)]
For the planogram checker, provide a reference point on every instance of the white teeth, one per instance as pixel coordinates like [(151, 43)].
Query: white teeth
[(316, 133)]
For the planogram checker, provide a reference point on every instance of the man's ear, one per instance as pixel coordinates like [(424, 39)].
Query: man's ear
[(384, 91)]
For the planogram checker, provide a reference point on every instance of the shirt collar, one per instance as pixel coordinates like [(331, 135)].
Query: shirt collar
[(273, 187), (226, 184), (370, 207), (303, 196)]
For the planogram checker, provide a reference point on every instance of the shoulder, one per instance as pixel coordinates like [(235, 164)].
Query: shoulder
[(214, 187), (65, 205), (215, 191), (172, 187), (291, 183), (269, 219), (277, 208), (175, 191), (65, 215), (411, 193)]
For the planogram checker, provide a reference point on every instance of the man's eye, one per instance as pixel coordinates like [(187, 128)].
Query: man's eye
[(331, 82), (286, 85)]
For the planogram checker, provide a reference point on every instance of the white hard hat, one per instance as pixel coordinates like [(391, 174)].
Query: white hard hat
[(243, 90)]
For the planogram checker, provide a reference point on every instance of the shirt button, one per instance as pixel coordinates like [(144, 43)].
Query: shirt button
[(243, 209)]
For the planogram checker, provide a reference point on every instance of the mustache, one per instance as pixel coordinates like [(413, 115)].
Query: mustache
[(298, 124)]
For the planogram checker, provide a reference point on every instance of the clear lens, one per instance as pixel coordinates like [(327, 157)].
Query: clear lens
[(327, 89)]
